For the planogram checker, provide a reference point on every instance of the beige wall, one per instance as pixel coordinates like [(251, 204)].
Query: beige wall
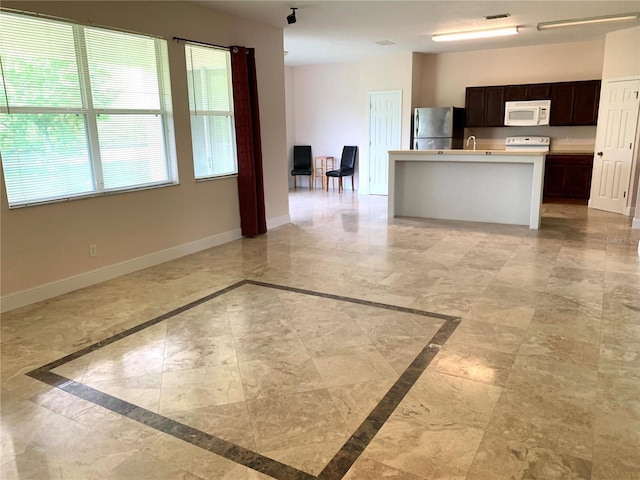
[(447, 75), (331, 104), (416, 80), (48, 243), (291, 117), (428, 88), (382, 73), (330, 100), (327, 108), (389, 72), (622, 54), (453, 72)]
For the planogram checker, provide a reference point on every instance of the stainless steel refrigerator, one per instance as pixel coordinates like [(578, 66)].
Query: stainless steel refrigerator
[(438, 128)]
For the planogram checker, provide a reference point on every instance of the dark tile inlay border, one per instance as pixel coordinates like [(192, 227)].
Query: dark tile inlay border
[(354, 300), (341, 462)]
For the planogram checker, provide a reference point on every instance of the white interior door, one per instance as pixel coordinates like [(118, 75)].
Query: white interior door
[(615, 145), (385, 115)]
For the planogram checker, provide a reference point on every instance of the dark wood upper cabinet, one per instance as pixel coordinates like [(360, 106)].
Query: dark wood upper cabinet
[(535, 91), (484, 106), (514, 93), (586, 101), (539, 91), (474, 107), (494, 107), (575, 103), (572, 103), (562, 100)]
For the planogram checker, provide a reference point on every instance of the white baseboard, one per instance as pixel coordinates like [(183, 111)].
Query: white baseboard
[(69, 284), (636, 223)]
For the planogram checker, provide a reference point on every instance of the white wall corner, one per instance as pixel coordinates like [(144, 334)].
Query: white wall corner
[(69, 284), (278, 221)]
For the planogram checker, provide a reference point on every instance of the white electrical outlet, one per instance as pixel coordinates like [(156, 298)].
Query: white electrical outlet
[(266, 206), (93, 250)]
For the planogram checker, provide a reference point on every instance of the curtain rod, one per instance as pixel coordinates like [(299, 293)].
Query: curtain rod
[(179, 39)]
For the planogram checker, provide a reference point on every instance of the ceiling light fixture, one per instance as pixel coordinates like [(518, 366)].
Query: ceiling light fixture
[(291, 18), (588, 21), (494, 32)]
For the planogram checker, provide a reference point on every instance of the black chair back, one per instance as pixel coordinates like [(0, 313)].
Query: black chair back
[(348, 160), (301, 157)]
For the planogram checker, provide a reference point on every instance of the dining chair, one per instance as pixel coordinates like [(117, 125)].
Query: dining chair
[(347, 167), (302, 162)]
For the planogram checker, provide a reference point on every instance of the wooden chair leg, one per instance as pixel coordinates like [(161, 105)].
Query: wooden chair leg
[(352, 187), (327, 184), (339, 184), (294, 182)]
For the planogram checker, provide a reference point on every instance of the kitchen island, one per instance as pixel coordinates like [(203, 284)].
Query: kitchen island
[(496, 186)]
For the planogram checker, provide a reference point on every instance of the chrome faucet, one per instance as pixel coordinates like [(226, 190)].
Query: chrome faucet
[(472, 137)]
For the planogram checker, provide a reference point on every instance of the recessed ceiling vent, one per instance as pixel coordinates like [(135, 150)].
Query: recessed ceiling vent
[(499, 15), (385, 42)]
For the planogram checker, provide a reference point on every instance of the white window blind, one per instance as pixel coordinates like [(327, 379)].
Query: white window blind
[(211, 105), (83, 110)]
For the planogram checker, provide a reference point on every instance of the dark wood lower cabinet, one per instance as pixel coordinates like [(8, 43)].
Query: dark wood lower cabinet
[(567, 177)]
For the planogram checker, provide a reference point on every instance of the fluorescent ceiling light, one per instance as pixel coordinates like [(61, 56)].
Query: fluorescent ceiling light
[(588, 21), (495, 32)]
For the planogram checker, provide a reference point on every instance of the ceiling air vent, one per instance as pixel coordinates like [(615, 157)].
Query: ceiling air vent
[(499, 15), (385, 42)]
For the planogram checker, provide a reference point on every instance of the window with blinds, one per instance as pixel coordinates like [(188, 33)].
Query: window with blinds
[(211, 105), (83, 111)]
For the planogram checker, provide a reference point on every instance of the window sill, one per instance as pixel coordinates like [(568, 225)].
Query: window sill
[(91, 195), (217, 177)]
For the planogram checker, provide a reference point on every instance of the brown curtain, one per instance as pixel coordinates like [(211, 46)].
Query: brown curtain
[(253, 220)]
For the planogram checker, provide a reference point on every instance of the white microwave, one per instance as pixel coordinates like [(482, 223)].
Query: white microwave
[(529, 113)]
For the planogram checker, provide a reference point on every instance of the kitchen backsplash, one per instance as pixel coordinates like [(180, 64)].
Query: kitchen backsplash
[(556, 146), (563, 139)]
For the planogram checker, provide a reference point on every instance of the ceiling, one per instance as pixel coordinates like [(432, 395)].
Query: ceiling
[(341, 31)]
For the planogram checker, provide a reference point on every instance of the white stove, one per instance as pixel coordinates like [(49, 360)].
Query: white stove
[(536, 144)]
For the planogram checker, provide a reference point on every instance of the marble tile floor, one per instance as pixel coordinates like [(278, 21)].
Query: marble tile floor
[(341, 345)]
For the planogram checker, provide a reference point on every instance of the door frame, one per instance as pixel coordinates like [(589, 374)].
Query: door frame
[(634, 181), (634, 175), (364, 180)]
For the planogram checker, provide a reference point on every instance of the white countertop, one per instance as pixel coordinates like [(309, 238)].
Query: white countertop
[(527, 153)]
